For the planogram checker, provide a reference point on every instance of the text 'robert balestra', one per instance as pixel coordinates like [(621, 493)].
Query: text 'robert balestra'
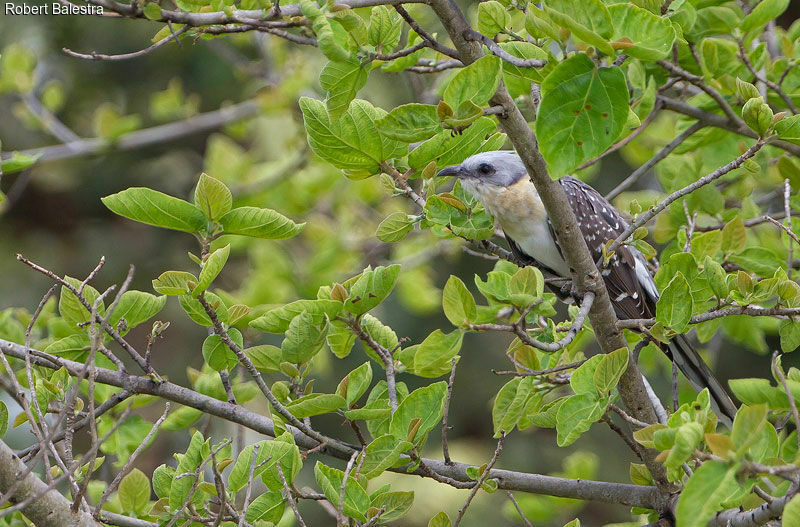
[(54, 8)]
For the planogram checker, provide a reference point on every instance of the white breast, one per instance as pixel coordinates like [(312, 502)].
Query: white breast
[(521, 214)]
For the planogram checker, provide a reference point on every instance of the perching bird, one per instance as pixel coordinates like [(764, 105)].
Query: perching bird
[(500, 182)]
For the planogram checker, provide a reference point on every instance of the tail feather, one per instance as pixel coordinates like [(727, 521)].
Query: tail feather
[(700, 377)]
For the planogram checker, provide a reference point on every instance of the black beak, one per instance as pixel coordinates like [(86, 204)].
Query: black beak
[(455, 171)]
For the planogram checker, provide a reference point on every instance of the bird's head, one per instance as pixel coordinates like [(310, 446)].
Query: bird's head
[(501, 168)]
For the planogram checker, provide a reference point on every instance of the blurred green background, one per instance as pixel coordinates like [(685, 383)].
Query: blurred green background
[(54, 217)]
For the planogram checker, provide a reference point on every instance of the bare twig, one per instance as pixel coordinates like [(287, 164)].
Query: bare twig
[(289, 496), (778, 369), (503, 54), (630, 137), (427, 37), (445, 415), (650, 163), (645, 217), (484, 476), (711, 92), (126, 56)]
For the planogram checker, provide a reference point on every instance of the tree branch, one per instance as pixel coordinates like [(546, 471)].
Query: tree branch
[(621, 493), (198, 124), (48, 507), (586, 276), (645, 217)]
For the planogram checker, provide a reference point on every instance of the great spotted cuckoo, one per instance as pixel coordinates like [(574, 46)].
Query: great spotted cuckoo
[(500, 182)]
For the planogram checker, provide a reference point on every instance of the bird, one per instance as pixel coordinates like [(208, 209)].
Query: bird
[(500, 182)]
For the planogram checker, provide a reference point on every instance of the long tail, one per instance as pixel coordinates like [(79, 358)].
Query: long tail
[(700, 376)]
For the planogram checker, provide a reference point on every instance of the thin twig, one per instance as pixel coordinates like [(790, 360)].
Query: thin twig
[(445, 426), (645, 217), (126, 56), (482, 479), (650, 163)]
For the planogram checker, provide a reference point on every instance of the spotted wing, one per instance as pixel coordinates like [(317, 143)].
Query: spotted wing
[(633, 294)]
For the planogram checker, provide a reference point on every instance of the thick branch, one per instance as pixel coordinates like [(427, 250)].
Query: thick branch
[(47, 507), (586, 276)]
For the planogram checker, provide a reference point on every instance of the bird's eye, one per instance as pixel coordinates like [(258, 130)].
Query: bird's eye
[(485, 168)]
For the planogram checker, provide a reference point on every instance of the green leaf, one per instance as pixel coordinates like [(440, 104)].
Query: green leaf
[(791, 512), (303, 339), (425, 403), (383, 453), (355, 383), (477, 82), (342, 80), (3, 419), (340, 340), (788, 129), (734, 236), (652, 35), (704, 493), (217, 354), (433, 357), (155, 208), (610, 369), (758, 115), (280, 450), (492, 18), (674, 308), (458, 303), (525, 50), (134, 492), (789, 332), (197, 312), (526, 287), (759, 260), (440, 520), (17, 163), (174, 283), (326, 39), (356, 499), (371, 288), (277, 320), (591, 23), (212, 196), (448, 149), (72, 347), (71, 308), (136, 307), (211, 268), (394, 227), (582, 379), (259, 223), (385, 26), (410, 123), (583, 111), (162, 480), (509, 404), (576, 415), (352, 143), (747, 426), (266, 358), (765, 11), (180, 487), (712, 20), (397, 504), (268, 507), (316, 404)]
